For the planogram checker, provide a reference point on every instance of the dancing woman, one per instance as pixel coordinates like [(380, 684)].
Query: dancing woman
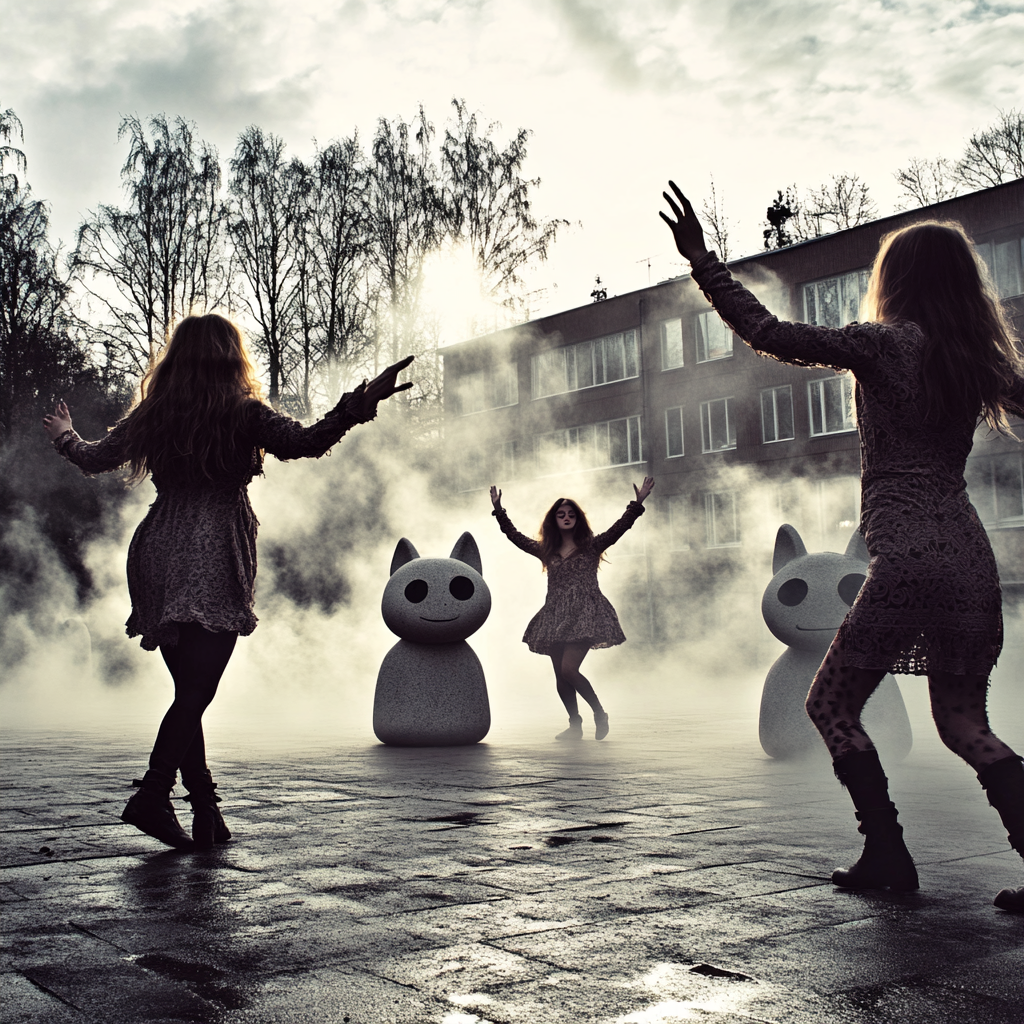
[(576, 616), (200, 430), (936, 357)]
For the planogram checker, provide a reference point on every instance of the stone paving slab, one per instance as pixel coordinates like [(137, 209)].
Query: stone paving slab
[(629, 882)]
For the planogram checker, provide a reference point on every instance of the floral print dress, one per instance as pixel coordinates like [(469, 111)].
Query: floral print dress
[(575, 612), (932, 599), (193, 558)]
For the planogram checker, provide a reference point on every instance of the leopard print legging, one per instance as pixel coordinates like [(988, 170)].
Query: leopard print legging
[(840, 691)]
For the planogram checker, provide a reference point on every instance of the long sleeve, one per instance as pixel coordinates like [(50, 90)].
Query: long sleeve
[(100, 456), (286, 438), (856, 347), (634, 510), (521, 541)]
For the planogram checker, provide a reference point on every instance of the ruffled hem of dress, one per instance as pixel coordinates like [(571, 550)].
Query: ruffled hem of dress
[(165, 634), (547, 647)]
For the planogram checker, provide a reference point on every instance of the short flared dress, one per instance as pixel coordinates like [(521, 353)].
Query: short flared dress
[(193, 557), (931, 600), (575, 611)]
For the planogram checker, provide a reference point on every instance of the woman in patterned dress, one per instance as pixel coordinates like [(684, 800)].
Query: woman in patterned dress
[(937, 357), (576, 616), (200, 430)]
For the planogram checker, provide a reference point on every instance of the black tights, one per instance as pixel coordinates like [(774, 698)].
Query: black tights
[(566, 659), (196, 664)]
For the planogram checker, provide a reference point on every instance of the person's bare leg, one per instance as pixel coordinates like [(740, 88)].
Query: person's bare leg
[(959, 707), (834, 704)]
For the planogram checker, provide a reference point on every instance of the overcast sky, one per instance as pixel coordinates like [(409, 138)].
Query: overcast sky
[(619, 96)]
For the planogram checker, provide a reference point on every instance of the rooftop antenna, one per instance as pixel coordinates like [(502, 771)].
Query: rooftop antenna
[(647, 260)]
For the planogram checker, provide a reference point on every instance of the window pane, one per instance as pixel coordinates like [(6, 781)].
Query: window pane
[(635, 446), (705, 427), (1008, 269), (614, 367), (671, 344), (618, 442), (768, 431), (674, 431), (719, 426), (629, 346), (834, 407), (784, 412), (570, 367), (829, 310), (730, 424), (810, 307), (549, 373), (599, 374)]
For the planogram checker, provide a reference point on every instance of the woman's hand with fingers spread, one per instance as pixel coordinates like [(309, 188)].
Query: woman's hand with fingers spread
[(383, 386), (686, 229), (644, 489), (57, 422), (495, 496)]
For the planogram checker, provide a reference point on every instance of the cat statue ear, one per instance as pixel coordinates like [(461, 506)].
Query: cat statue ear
[(857, 548), (465, 550), (788, 546), (404, 552)]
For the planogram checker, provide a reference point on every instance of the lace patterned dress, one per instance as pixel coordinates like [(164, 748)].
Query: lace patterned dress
[(932, 598), (575, 612), (193, 558)]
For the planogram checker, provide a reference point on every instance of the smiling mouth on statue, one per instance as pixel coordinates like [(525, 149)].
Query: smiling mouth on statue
[(817, 629), (425, 619)]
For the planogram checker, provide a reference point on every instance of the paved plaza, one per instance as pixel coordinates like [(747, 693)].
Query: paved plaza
[(671, 873)]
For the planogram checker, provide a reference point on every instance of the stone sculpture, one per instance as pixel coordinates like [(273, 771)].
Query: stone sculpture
[(431, 690), (804, 604)]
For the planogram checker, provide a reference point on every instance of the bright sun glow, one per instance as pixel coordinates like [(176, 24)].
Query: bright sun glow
[(453, 297)]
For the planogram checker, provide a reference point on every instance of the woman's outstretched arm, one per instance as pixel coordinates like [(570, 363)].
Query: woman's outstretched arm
[(531, 547), (857, 347), (634, 510), (288, 439), (90, 456)]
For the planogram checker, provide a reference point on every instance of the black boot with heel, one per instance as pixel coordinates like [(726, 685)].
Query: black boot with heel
[(1003, 782), (150, 810), (208, 826)]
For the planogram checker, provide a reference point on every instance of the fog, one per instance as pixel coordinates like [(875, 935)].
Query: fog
[(328, 530)]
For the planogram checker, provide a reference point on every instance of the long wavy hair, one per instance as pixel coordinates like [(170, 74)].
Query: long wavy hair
[(184, 424), (550, 536), (929, 273)]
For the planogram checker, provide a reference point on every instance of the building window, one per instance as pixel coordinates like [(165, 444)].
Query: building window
[(671, 344), (996, 486), (585, 365), (494, 387), (678, 523), (835, 301), (717, 425), (1004, 261), (831, 405), (674, 432), (484, 465), (722, 520), (777, 414), (714, 338), (592, 446)]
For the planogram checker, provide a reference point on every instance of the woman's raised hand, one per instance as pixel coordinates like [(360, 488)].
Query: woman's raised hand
[(495, 496), (56, 423), (644, 489), (686, 229), (383, 386)]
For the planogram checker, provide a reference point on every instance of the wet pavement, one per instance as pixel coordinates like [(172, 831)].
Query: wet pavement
[(642, 880)]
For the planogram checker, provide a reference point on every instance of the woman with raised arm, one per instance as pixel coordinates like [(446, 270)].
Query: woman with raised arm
[(935, 358), (576, 616), (200, 430)]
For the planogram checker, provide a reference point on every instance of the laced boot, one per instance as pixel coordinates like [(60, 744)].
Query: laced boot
[(208, 825), (885, 861), (575, 730), (600, 725), (1004, 785), (150, 810)]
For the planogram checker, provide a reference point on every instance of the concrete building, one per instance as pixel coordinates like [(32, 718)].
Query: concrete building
[(652, 382)]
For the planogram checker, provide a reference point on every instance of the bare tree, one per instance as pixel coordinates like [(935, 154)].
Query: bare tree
[(779, 217), (840, 203), (146, 266), (994, 155), (266, 208), (9, 126), (717, 223), (487, 204), (924, 182)]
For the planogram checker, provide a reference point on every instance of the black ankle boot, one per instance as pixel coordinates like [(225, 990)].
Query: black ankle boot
[(575, 730), (600, 725), (150, 811), (1003, 782), (885, 861), (208, 826)]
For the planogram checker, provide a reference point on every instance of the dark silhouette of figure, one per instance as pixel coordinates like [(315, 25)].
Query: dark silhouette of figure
[(576, 616), (200, 430), (936, 356)]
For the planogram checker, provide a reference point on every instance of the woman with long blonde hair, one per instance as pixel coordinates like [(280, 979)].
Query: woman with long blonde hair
[(936, 358), (200, 430)]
